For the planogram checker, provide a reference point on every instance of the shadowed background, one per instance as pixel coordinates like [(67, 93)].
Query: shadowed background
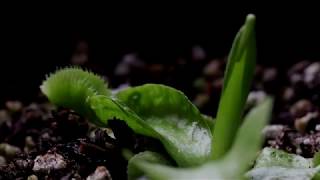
[(33, 47)]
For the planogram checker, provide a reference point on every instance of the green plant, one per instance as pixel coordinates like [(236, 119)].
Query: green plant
[(237, 82), (71, 87), (276, 164), (204, 148)]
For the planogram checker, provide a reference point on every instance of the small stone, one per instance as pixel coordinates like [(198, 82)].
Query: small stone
[(14, 106), (272, 143), (299, 67), (5, 118), (300, 108), (198, 53), (288, 94), (101, 135), (201, 99), (273, 131), (307, 141), (298, 140), (313, 68), (71, 176), (308, 78), (8, 150), (127, 64), (109, 132), (32, 177), (101, 173), (66, 177), (32, 113), (296, 78), (213, 68), (109, 145), (269, 74), (24, 163), (311, 72), (29, 144), (76, 177), (48, 162), (301, 123), (45, 135), (255, 97), (298, 151), (2, 161)]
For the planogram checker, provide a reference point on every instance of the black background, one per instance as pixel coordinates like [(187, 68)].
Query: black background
[(35, 43)]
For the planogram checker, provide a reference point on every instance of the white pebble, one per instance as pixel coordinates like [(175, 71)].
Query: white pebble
[(307, 141), (49, 161), (101, 173)]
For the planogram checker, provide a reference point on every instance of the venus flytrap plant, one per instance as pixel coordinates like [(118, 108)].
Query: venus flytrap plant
[(202, 149), (153, 110)]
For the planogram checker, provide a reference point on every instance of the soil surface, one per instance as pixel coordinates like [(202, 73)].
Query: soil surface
[(39, 141)]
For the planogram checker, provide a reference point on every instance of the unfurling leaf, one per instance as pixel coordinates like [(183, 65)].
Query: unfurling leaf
[(164, 113), (237, 82), (233, 165)]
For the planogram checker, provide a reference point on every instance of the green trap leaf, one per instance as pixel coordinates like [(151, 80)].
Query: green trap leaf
[(164, 113)]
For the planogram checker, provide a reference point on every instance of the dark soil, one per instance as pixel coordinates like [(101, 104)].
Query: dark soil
[(40, 141), (59, 144)]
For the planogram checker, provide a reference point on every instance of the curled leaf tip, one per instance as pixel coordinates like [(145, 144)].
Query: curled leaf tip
[(250, 18)]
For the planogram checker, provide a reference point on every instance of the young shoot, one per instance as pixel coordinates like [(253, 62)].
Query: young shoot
[(201, 147)]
